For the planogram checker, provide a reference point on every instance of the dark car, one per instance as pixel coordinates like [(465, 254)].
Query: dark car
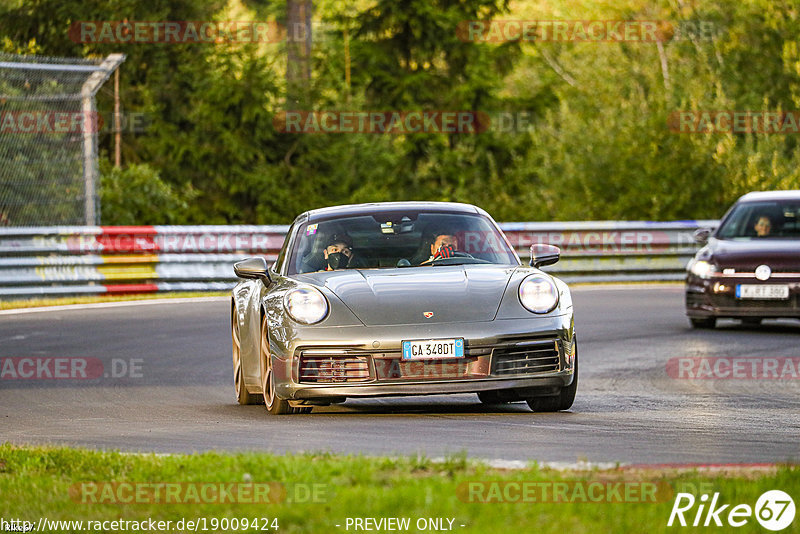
[(749, 268), (401, 298)]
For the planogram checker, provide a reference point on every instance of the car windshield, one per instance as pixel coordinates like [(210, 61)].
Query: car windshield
[(763, 220), (392, 239)]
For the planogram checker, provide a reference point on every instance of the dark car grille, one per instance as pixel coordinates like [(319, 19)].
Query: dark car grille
[(730, 301), (330, 369), (526, 357)]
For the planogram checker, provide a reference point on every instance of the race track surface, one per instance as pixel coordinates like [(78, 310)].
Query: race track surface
[(177, 395)]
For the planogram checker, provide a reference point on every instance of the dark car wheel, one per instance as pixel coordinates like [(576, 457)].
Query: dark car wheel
[(242, 395), (562, 401), (703, 322), (274, 404), (490, 397)]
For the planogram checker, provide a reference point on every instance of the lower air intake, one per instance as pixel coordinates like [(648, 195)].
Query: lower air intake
[(331, 369)]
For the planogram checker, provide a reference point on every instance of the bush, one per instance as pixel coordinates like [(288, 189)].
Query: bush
[(137, 195)]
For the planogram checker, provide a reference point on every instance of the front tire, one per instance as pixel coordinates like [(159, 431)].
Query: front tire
[(242, 395), (562, 401), (274, 404), (703, 322)]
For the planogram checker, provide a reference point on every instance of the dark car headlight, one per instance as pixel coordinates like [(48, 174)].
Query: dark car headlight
[(306, 305), (538, 293), (703, 268)]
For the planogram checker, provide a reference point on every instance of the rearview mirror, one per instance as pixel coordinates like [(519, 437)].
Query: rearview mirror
[(542, 255), (253, 269), (701, 235)]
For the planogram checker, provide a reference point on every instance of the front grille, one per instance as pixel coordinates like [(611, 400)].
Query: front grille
[(730, 301), (526, 357), (330, 369)]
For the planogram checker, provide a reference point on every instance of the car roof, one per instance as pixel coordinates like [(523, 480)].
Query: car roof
[(770, 195), (372, 207)]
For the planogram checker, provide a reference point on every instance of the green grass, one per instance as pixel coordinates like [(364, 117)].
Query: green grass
[(62, 301), (35, 482)]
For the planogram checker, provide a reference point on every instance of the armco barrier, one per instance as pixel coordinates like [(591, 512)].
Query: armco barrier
[(37, 261)]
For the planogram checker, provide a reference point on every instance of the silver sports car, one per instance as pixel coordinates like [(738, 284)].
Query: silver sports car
[(401, 298)]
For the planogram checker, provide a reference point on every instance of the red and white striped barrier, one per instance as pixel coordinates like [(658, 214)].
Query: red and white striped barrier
[(37, 261)]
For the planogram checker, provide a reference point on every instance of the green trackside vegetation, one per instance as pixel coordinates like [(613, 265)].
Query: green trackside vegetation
[(326, 489), (595, 143)]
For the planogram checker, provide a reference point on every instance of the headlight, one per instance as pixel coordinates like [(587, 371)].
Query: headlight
[(306, 305), (538, 294), (702, 268)]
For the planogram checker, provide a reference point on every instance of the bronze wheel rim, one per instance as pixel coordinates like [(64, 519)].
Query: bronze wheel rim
[(267, 381), (237, 359)]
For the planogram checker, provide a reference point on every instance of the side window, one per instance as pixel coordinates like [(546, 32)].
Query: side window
[(278, 265)]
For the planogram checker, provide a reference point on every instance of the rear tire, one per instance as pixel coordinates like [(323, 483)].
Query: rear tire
[(562, 401), (703, 322)]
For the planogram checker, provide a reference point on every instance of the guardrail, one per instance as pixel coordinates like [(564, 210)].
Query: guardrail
[(51, 261)]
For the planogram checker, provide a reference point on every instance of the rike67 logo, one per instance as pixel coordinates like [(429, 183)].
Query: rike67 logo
[(774, 510)]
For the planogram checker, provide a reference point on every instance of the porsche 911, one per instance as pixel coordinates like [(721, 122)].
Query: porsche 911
[(401, 298)]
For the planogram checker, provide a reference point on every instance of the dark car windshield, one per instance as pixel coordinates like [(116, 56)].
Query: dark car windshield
[(393, 239), (763, 220)]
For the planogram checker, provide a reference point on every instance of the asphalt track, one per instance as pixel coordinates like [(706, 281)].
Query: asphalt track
[(179, 396)]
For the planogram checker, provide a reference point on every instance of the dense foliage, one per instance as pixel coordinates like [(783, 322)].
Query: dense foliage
[(598, 145)]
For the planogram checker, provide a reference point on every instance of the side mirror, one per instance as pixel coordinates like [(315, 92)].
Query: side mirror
[(542, 255), (701, 235), (253, 269)]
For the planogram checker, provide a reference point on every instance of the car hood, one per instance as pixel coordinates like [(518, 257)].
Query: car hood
[(746, 255), (405, 296)]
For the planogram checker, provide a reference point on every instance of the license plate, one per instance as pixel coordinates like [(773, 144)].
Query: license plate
[(762, 292), (433, 349)]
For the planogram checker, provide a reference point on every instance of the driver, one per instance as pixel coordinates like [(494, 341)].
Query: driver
[(338, 252), (763, 226), (444, 246)]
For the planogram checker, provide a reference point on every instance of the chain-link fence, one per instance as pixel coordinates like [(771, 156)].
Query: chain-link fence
[(48, 138)]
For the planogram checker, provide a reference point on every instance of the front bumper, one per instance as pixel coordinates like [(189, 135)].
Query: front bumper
[(716, 297), (499, 355)]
